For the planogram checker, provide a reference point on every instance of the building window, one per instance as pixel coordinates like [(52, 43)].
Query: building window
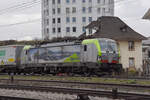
[(83, 29), (90, 9), (83, 1), (98, 1), (47, 12), (83, 10), (67, 29), (53, 20), (73, 1), (46, 2), (58, 20), (83, 19), (54, 30), (110, 1), (131, 45), (44, 31), (90, 31), (44, 21), (59, 30), (67, 10), (90, 1), (67, 19), (47, 30), (67, 1), (99, 10), (104, 1), (44, 12), (131, 62), (103, 11), (107, 10), (124, 28), (73, 19), (58, 10), (53, 1), (47, 21), (53, 11), (90, 19), (74, 29), (73, 9), (58, 1)]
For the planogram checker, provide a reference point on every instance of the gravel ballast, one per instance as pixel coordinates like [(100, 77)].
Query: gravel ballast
[(43, 95)]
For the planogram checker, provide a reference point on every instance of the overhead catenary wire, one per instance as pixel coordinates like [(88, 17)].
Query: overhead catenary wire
[(23, 22), (20, 6), (14, 6), (35, 20)]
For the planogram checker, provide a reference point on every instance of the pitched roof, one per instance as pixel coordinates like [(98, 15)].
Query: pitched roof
[(147, 15), (114, 28)]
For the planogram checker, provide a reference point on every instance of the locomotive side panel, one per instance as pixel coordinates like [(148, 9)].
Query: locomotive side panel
[(89, 53), (72, 53), (7, 55), (54, 54), (10, 55)]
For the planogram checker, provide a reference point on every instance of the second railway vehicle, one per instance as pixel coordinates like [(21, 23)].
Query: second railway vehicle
[(87, 57)]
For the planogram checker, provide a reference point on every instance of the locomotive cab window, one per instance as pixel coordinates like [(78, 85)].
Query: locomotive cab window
[(112, 46), (26, 52), (85, 47), (103, 45)]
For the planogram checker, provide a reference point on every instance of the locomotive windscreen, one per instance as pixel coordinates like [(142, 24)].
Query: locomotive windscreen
[(103, 45), (112, 46), (108, 45)]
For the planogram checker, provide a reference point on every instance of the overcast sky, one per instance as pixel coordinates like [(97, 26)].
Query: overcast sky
[(130, 11)]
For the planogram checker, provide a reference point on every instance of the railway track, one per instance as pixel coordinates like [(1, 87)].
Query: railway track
[(14, 98), (78, 91), (109, 77), (128, 77), (81, 83), (89, 92)]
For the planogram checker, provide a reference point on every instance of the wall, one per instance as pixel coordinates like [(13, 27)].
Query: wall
[(126, 54)]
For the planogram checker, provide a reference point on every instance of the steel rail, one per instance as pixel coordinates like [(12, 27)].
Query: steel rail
[(14, 98), (128, 77)]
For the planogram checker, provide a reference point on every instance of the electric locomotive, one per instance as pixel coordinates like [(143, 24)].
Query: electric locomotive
[(87, 57)]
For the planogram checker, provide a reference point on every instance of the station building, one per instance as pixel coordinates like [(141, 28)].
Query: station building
[(128, 40)]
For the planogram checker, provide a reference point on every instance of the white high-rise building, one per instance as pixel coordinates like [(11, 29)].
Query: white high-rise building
[(69, 17)]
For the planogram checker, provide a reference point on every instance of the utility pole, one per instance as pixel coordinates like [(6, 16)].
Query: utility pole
[(147, 60)]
